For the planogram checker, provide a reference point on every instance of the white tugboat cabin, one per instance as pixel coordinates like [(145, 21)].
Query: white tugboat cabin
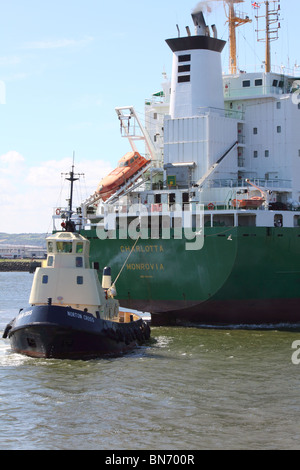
[(66, 278)]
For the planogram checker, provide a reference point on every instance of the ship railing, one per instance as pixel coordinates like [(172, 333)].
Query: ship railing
[(256, 68), (255, 91), (240, 183), (140, 210), (60, 215), (234, 114)]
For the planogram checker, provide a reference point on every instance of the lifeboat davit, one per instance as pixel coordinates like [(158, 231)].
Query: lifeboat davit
[(128, 166)]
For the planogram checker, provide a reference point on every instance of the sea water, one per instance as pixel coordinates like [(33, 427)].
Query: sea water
[(189, 389)]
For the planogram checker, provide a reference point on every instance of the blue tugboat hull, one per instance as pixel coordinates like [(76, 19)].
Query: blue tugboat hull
[(64, 333)]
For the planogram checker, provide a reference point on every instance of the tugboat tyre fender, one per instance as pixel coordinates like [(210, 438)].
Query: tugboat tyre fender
[(146, 331), (7, 330), (139, 335)]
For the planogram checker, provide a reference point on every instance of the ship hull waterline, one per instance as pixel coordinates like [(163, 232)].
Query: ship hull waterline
[(242, 275), (64, 333)]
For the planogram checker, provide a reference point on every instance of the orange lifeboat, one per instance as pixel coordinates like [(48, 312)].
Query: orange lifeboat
[(251, 203), (128, 166)]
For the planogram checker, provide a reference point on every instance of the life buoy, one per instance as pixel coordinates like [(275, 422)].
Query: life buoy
[(211, 206), (57, 211)]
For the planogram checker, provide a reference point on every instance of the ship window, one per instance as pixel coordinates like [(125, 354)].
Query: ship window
[(172, 198), (79, 262), (275, 82), (278, 129), (184, 78), (278, 220), (246, 83), (50, 261), (255, 131), (80, 280), (123, 164), (296, 221), (278, 105), (267, 153), (64, 247), (255, 154), (184, 68), (50, 247), (185, 197), (132, 160), (281, 83), (184, 58), (298, 105), (258, 82), (45, 279), (79, 247)]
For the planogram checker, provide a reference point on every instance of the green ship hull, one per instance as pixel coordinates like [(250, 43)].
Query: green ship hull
[(242, 275)]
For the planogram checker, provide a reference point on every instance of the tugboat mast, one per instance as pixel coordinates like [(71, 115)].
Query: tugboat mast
[(72, 177)]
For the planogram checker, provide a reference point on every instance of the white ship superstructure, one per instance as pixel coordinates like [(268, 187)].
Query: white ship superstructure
[(214, 138), (208, 113)]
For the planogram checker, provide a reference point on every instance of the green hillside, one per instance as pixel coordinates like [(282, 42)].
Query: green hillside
[(36, 239)]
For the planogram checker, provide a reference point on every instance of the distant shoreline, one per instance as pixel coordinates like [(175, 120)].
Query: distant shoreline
[(18, 265)]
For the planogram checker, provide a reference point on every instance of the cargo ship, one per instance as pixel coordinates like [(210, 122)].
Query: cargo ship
[(209, 231)]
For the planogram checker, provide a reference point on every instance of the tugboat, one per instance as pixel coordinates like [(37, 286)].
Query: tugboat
[(71, 315)]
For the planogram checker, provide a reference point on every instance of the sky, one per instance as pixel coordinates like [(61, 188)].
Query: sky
[(64, 67)]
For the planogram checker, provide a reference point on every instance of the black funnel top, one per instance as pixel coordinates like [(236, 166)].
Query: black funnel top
[(199, 23)]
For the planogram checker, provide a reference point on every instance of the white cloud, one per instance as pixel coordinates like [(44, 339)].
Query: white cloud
[(11, 163), (88, 100), (58, 43), (28, 196), (12, 157), (9, 60)]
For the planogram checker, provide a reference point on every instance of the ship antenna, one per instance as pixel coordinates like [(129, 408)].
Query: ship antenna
[(72, 177), (270, 31), (235, 19)]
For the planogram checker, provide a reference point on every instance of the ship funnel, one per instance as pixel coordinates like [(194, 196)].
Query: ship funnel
[(200, 25), (197, 82), (214, 29)]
